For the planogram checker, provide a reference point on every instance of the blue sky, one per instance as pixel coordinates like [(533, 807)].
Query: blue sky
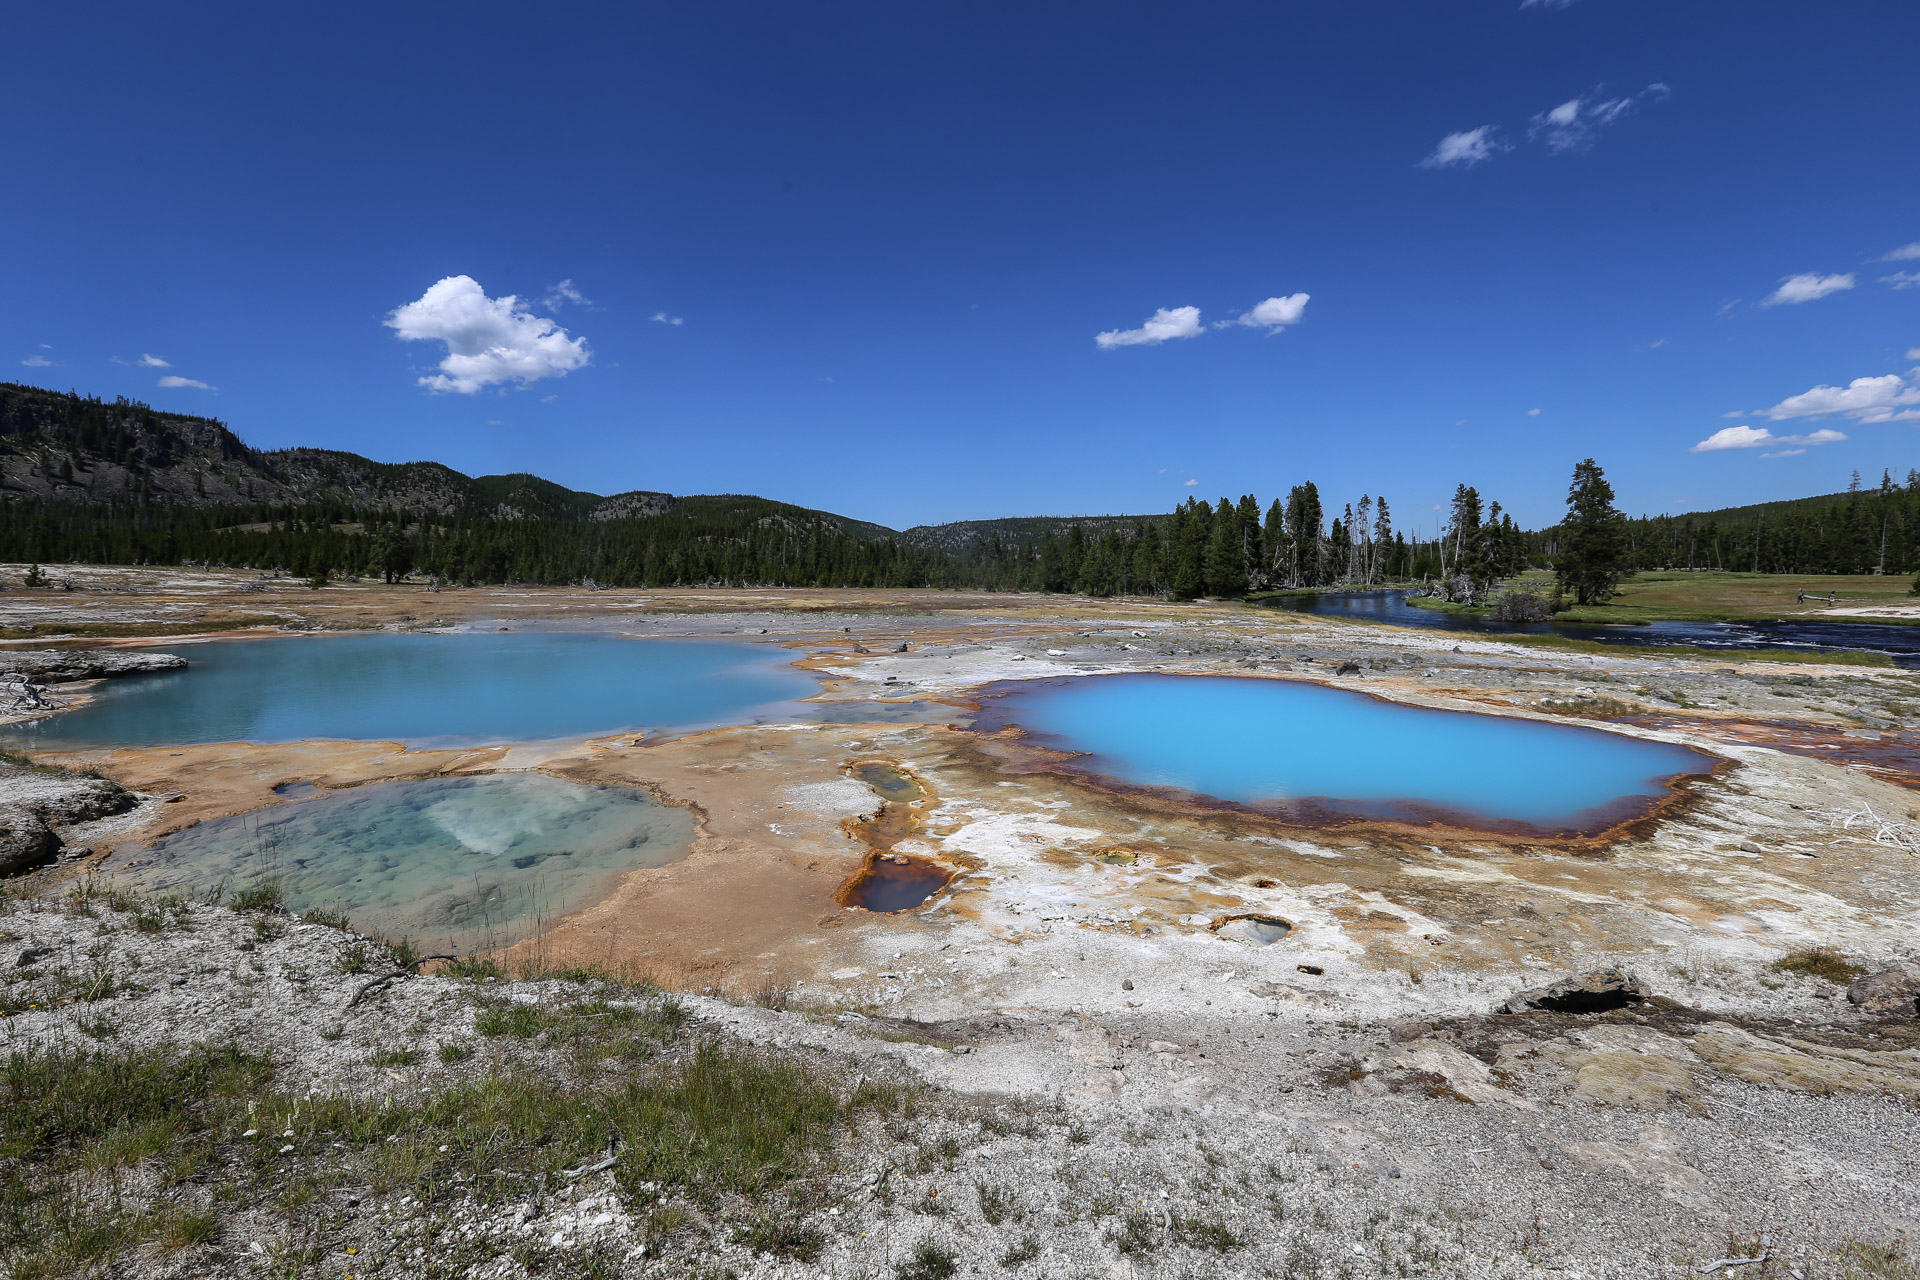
[(860, 256)]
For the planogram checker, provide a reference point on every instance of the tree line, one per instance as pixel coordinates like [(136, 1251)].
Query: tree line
[(1230, 548), (1864, 530)]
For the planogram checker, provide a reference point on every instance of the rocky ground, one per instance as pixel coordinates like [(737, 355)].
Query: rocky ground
[(467, 1124), (1071, 1062)]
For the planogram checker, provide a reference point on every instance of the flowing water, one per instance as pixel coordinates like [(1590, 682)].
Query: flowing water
[(1902, 644), (455, 864), (1313, 754), (432, 690)]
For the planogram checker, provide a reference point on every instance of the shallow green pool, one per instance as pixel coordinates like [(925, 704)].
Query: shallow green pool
[(455, 864)]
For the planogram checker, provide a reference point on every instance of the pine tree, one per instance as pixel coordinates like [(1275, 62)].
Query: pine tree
[(1382, 541), (1148, 572), (1308, 536), (1273, 546), (1192, 523), (1247, 518), (1226, 562), (1593, 541)]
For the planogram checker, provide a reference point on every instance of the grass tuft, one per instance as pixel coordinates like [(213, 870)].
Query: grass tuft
[(265, 896), (1820, 962), (929, 1261), (782, 1237)]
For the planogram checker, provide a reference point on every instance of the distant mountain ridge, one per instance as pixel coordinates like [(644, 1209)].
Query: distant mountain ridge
[(60, 446), (64, 447)]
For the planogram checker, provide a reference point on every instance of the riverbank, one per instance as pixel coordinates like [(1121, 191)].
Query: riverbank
[(1668, 596)]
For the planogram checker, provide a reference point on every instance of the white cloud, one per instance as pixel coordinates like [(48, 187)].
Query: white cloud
[(563, 293), (174, 380), (1807, 287), (549, 399), (1784, 453), (1913, 353), (1905, 253), (1276, 314), (1903, 279), (1189, 484), (1533, 413), (489, 340), (1657, 343), (1575, 124), (661, 317), (1734, 438), (37, 362), (1465, 149), (153, 362), (1887, 398), (1754, 437), (1166, 323)]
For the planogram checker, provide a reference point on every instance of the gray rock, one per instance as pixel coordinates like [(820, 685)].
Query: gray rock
[(1593, 992), (26, 841), (56, 665), (34, 800), (1347, 669), (1891, 991)]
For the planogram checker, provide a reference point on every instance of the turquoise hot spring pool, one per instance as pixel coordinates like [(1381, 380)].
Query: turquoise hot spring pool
[(1307, 753), (465, 689)]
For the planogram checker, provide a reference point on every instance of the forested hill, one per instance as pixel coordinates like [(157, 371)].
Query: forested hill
[(1867, 529), (62, 447), (964, 535)]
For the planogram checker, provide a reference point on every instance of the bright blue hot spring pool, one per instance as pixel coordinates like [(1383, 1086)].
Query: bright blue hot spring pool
[(431, 690), (1323, 756)]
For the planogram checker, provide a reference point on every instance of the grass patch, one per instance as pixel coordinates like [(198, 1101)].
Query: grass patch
[(473, 969), (929, 1261), (997, 1204), (66, 1115), (1023, 1251), (1820, 962), (1660, 596), (47, 988), (396, 1057), (265, 896), (783, 1237), (592, 1032), (735, 1131)]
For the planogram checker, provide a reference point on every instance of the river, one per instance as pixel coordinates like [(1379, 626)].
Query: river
[(1902, 644)]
